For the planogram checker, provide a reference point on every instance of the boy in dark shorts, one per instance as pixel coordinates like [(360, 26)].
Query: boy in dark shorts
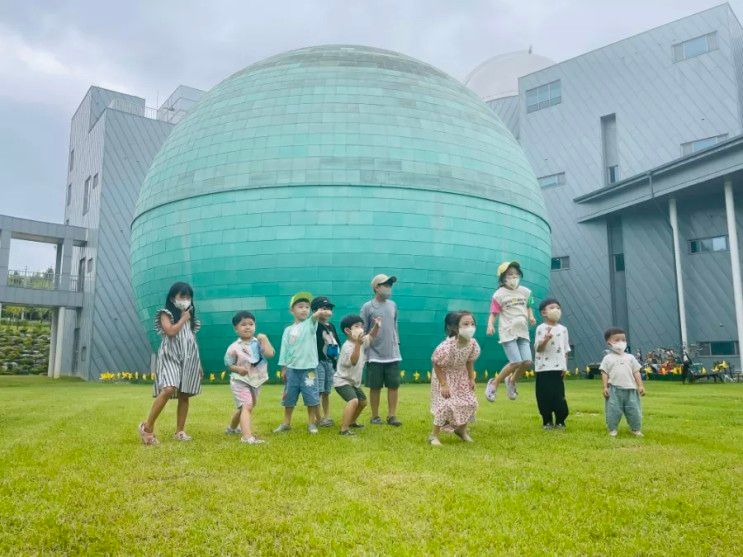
[(383, 365), (347, 378)]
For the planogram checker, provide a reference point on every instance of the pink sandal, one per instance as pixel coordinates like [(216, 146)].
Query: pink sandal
[(148, 438)]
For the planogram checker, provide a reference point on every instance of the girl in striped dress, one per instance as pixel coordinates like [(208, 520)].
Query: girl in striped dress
[(178, 367)]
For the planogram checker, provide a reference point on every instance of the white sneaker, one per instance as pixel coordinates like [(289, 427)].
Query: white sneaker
[(434, 441), (230, 431), (312, 428), (613, 433), (637, 434), (511, 391), (252, 440), (490, 391), (282, 427)]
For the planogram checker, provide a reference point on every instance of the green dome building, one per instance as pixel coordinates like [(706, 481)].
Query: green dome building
[(319, 168)]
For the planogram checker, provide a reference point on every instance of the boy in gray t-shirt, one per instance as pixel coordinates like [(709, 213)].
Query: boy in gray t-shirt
[(383, 363)]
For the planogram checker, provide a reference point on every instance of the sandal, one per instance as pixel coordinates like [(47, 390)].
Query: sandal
[(147, 437), (182, 436)]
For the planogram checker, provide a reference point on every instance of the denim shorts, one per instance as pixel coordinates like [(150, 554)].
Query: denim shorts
[(325, 372), (300, 381), (517, 350)]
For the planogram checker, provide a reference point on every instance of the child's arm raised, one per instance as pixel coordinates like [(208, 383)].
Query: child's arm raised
[(172, 329), (375, 328), (356, 354), (545, 340), (266, 346)]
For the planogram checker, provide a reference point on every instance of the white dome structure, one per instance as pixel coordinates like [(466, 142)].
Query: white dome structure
[(499, 76)]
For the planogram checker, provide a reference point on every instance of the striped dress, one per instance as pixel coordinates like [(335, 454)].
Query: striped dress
[(178, 362)]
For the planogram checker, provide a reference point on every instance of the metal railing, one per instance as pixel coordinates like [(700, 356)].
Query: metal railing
[(36, 280)]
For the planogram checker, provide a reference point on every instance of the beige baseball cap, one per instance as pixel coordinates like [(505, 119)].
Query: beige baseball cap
[(381, 279)]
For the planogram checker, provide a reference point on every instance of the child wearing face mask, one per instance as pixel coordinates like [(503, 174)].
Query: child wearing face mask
[(623, 387), (453, 401), (178, 372), (551, 346), (511, 305)]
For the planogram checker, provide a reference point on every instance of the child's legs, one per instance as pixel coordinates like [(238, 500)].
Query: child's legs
[(325, 401), (157, 406), (613, 408), (235, 420), (182, 412), (308, 386), (391, 372), (325, 380), (525, 359), (290, 395), (542, 392), (246, 420), (507, 370), (436, 431), (511, 348), (374, 396), (633, 410), (375, 382), (349, 413), (560, 404)]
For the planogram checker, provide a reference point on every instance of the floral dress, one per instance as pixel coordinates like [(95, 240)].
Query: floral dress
[(178, 363), (451, 359)]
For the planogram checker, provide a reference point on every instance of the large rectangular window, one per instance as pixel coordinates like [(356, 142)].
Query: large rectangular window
[(560, 263), (701, 144), (708, 245), (619, 262), (719, 348), (543, 96), (695, 47), (551, 180), (86, 196)]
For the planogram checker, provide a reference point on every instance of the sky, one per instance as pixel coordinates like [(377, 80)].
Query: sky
[(51, 52)]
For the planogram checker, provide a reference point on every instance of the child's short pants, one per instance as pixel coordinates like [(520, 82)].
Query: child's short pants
[(349, 392), (244, 393), (325, 372), (300, 381), (517, 350)]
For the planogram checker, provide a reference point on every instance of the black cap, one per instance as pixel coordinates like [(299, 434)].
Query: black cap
[(321, 302)]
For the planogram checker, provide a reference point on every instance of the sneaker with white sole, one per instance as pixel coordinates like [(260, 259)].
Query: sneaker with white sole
[(613, 433), (326, 422), (490, 391), (434, 441), (312, 428), (347, 432), (376, 421), (637, 434), (252, 440), (282, 428), (232, 431), (548, 426), (182, 436), (511, 391)]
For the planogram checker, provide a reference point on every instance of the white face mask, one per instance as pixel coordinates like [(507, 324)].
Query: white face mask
[(513, 282), (467, 332), (554, 314), (619, 347), (182, 305), (384, 291)]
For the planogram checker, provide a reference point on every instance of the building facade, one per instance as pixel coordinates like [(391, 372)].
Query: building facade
[(598, 121)]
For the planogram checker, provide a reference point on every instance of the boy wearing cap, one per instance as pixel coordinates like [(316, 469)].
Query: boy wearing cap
[(328, 349), (383, 363), (511, 306), (298, 361)]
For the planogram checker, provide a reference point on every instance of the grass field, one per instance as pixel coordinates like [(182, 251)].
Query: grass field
[(73, 478)]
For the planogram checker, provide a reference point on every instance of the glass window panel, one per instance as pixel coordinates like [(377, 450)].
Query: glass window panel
[(695, 47), (720, 243)]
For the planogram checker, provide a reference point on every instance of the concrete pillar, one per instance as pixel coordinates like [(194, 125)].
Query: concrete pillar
[(58, 265), (734, 260), (4, 256), (673, 216), (63, 342), (66, 264), (53, 343)]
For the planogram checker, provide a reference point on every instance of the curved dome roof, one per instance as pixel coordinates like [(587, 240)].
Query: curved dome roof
[(341, 115), (499, 76)]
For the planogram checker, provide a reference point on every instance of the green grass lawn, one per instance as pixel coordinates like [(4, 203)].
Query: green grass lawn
[(74, 478)]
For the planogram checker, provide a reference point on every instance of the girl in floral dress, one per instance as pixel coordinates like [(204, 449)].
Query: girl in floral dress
[(453, 401)]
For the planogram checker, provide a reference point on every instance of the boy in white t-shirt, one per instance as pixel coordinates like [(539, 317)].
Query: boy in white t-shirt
[(620, 373), (347, 378), (551, 346)]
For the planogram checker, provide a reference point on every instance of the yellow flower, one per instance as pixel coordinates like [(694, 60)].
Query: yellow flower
[(278, 374), (428, 375), (221, 375), (211, 377), (152, 376), (416, 376), (402, 374)]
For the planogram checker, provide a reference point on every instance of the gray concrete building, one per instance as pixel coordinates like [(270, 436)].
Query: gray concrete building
[(637, 147)]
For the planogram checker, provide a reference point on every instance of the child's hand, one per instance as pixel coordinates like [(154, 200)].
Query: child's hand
[(377, 321), (606, 392), (260, 337), (359, 339), (283, 376), (491, 331), (548, 334), (471, 382), (445, 391), (185, 315), (641, 390), (532, 321), (243, 370)]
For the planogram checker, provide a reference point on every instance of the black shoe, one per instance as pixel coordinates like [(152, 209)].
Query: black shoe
[(347, 432), (391, 420), (356, 425)]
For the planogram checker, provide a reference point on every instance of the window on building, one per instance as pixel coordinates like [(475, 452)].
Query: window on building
[(83, 353), (701, 144), (69, 195), (551, 180), (707, 245), (560, 263), (612, 174), (72, 159), (90, 265), (86, 196), (695, 47), (619, 262), (95, 181), (543, 96), (719, 348)]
